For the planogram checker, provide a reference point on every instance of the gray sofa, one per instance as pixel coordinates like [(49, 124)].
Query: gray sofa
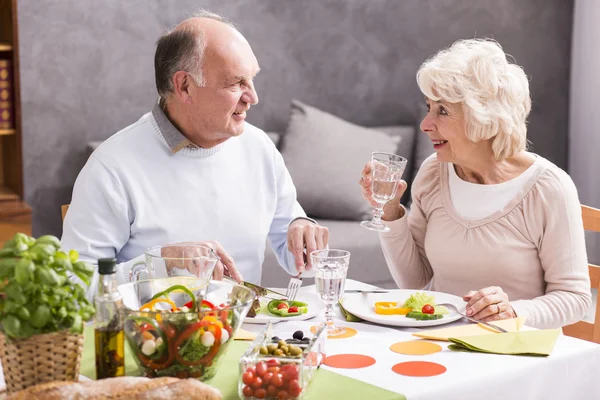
[(367, 263)]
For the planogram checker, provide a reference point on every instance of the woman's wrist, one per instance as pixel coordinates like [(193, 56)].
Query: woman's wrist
[(392, 212)]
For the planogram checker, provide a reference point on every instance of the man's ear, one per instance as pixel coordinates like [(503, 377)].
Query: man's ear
[(182, 86)]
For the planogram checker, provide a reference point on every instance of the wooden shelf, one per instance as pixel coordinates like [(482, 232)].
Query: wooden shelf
[(14, 211), (5, 46), (7, 132), (7, 194)]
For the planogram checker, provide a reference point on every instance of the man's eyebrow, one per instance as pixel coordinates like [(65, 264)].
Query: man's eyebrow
[(243, 77)]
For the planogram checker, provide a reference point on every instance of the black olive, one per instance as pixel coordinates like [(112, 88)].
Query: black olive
[(306, 340), (298, 335), (275, 339)]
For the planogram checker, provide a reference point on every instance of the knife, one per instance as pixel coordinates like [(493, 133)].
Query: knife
[(261, 291), (366, 291)]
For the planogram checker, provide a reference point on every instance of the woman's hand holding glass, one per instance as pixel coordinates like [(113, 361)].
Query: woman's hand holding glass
[(392, 210)]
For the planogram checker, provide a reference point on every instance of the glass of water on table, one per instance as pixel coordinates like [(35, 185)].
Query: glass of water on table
[(331, 267), (386, 172)]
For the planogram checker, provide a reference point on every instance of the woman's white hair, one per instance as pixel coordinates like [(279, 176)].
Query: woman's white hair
[(494, 93)]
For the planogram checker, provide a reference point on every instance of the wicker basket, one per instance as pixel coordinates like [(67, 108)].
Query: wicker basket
[(41, 358)]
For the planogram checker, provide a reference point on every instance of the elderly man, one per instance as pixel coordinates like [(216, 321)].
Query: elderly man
[(193, 170)]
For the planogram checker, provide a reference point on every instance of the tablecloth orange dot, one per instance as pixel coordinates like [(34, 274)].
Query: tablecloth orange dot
[(349, 361), (419, 368), (349, 332), (415, 348)]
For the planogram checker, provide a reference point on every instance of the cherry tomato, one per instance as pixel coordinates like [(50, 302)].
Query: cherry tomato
[(427, 309), (294, 388), (293, 309), (257, 382), (273, 362), (248, 392), (260, 393), (289, 372), (277, 380), (282, 395), (248, 377), (273, 370), (261, 368), (272, 391), (267, 378), (282, 305)]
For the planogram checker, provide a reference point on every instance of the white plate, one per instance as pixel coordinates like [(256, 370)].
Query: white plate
[(315, 306), (363, 306)]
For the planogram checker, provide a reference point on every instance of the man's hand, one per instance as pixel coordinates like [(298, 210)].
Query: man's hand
[(489, 304), (225, 265), (303, 233)]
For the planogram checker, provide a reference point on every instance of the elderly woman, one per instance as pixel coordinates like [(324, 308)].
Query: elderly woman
[(489, 221)]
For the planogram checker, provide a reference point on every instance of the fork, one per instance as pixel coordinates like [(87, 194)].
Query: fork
[(293, 286), (453, 307)]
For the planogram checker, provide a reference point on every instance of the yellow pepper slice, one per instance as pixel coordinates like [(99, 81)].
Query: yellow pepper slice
[(390, 308), (150, 305), (213, 319)]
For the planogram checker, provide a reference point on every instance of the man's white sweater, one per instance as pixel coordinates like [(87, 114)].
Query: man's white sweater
[(135, 193)]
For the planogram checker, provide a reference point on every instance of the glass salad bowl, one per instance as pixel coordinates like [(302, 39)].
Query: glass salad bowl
[(179, 329)]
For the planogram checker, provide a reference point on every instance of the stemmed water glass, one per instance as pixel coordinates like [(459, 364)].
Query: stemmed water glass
[(331, 267), (386, 172)]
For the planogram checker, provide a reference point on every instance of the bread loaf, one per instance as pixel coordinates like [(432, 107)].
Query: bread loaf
[(121, 388)]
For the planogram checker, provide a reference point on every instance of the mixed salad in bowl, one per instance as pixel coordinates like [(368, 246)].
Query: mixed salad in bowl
[(176, 332)]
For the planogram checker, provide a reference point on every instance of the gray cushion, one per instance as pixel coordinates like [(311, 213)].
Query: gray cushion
[(275, 137), (325, 156)]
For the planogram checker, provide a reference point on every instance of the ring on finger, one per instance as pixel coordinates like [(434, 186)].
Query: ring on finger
[(499, 308)]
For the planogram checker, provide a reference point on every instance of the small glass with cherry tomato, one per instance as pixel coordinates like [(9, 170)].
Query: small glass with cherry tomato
[(281, 377)]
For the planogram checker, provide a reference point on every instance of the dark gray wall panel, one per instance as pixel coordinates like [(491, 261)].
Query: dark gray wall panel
[(87, 67)]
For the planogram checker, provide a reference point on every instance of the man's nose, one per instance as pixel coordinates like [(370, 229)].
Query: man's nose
[(250, 96)]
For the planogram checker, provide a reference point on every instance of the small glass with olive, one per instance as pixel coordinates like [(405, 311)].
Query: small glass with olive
[(276, 368)]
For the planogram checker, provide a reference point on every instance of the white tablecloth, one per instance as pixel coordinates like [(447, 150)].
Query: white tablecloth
[(571, 372)]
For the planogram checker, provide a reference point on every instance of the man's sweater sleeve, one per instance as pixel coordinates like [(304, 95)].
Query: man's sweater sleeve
[(286, 211), (97, 222)]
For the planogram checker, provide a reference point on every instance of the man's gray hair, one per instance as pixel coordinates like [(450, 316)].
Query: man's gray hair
[(181, 50)]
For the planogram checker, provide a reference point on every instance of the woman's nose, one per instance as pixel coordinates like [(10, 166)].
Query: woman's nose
[(427, 124)]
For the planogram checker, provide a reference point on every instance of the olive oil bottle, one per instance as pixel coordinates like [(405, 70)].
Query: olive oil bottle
[(108, 323)]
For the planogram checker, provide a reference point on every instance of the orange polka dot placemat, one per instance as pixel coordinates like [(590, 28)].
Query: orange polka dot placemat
[(347, 333), (419, 368), (415, 348), (349, 361)]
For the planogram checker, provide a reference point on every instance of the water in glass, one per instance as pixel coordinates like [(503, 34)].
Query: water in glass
[(330, 279), (386, 173)]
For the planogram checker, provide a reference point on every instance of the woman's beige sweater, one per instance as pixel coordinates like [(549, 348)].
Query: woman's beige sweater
[(534, 248)]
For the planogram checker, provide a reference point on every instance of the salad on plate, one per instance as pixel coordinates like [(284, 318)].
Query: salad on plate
[(420, 306)]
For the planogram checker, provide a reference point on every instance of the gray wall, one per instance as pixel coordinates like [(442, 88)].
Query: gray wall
[(87, 67)]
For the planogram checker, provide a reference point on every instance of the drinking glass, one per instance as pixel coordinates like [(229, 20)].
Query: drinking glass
[(386, 172), (331, 267)]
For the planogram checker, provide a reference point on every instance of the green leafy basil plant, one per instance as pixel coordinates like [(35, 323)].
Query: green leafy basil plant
[(36, 293)]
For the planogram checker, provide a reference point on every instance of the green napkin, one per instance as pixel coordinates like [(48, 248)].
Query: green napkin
[(324, 384), (349, 317), (526, 343)]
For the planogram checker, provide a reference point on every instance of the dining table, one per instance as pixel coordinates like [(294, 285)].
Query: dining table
[(571, 371)]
